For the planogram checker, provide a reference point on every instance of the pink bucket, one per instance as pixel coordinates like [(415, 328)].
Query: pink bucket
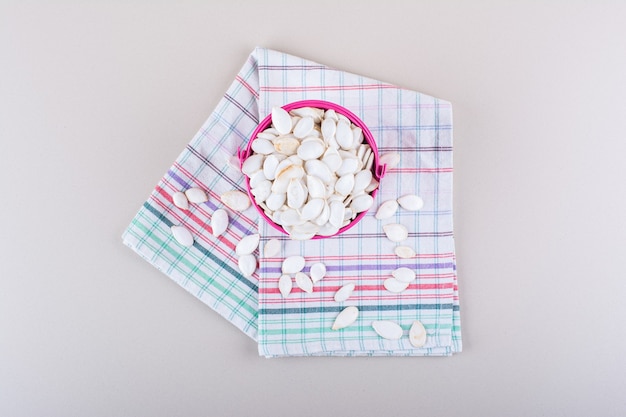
[(378, 171)]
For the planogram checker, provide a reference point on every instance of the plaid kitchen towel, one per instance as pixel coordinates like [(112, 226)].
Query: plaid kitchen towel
[(416, 126)]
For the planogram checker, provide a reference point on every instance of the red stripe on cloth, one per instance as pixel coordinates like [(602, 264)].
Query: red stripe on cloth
[(247, 86)]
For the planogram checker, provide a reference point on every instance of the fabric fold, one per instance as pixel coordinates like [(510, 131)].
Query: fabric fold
[(414, 125)]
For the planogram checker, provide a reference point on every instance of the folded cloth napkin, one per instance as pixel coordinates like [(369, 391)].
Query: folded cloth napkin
[(416, 126)]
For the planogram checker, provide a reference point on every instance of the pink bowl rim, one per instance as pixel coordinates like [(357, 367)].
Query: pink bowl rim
[(378, 170)]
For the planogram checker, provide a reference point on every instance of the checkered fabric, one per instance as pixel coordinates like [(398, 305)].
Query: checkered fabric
[(416, 126)]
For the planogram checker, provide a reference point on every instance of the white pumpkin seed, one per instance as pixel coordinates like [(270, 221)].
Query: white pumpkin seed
[(180, 200), (315, 186), (319, 169), (290, 172), (361, 180), (344, 292), (387, 209), (411, 202), (311, 149), (390, 159), (322, 219), (296, 160), (332, 159), (404, 274), (266, 135), (252, 164), (219, 222), (247, 265), (417, 334), (404, 252), (248, 244), (345, 184), (318, 271), (312, 209), (276, 200), (236, 200), (287, 145), (395, 286), (337, 210), (330, 114), (291, 217), (357, 137), (345, 318), (396, 232), (293, 264), (360, 151), (269, 167), (285, 284), (182, 235), (304, 282), (313, 112), (257, 178), (296, 193), (362, 203), (387, 329), (373, 185), (263, 146), (343, 135), (271, 248), (303, 127), (329, 127), (348, 166), (281, 120), (262, 190), (196, 195)]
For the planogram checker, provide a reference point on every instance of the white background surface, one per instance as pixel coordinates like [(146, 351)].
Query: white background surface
[(97, 100)]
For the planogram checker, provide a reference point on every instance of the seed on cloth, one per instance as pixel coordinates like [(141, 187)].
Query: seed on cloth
[(271, 248), (236, 200), (248, 244), (293, 264), (247, 265), (180, 200), (396, 232), (219, 222), (346, 317), (182, 235), (387, 329), (285, 285), (404, 252), (344, 292), (417, 334), (387, 209), (395, 286), (318, 271), (411, 202), (304, 282), (196, 195), (404, 274)]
